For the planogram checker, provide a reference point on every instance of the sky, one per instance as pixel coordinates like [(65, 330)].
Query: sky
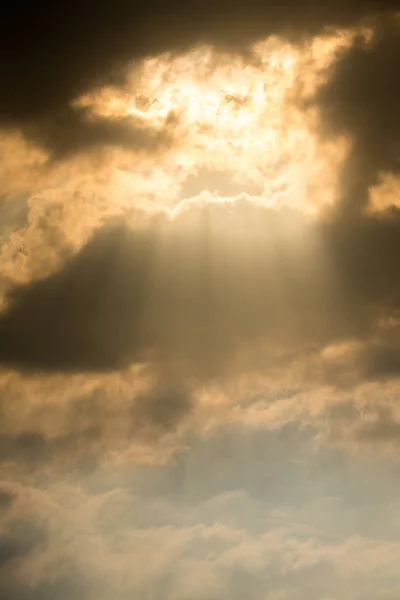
[(200, 300)]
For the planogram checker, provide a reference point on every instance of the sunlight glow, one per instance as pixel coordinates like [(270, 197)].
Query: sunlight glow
[(235, 117)]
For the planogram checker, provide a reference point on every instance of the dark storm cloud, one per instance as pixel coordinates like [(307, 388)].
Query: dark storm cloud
[(98, 294), (361, 99), (365, 251), (50, 54), (74, 130), (219, 288)]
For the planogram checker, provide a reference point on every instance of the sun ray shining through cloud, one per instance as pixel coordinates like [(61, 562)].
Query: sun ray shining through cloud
[(199, 301)]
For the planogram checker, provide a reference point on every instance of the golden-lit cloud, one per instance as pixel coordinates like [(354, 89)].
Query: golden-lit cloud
[(237, 117), (386, 194), (199, 350), (238, 127)]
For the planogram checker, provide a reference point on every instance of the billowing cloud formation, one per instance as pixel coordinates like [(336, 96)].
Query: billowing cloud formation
[(361, 99), (199, 395), (49, 57), (297, 531), (220, 288)]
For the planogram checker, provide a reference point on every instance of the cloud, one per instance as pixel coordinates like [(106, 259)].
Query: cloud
[(383, 427), (75, 130), (221, 288), (13, 214), (94, 426), (6, 499), (166, 325), (196, 401), (260, 511), (63, 588), (89, 309), (81, 47), (19, 541), (360, 98), (197, 560)]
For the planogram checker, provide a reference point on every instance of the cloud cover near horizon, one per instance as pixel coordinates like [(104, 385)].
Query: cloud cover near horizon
[(199, 328)]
